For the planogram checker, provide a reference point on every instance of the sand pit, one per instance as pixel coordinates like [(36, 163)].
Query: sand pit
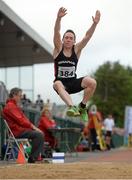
[(80, 170)]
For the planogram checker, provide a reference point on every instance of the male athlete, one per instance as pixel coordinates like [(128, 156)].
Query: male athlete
[(66, 55)]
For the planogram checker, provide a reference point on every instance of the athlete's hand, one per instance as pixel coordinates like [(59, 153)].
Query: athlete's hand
[(62, 12), (97, 17)]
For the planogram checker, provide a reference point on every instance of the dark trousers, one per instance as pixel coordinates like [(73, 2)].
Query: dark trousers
[(37, 142), (93, 136)]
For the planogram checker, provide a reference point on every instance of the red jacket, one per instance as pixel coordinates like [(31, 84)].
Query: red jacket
[(15, 118), (44, 124)]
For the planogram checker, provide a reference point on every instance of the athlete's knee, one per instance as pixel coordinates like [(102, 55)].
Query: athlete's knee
[(94, 83), (89, 82), (57, 85)]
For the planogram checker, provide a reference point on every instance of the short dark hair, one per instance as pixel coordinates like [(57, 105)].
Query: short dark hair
[(71, 31), (14, 91)]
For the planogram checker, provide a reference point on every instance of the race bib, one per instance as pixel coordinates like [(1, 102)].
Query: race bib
[(66, 72)]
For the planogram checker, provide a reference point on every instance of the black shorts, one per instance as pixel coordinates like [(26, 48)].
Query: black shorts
[(72, 86)]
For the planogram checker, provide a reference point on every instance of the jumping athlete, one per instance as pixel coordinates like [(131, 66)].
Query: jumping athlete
[(66, 55)]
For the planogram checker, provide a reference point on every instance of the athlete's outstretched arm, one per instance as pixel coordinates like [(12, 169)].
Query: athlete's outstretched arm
[(57, 37), (89, 33)]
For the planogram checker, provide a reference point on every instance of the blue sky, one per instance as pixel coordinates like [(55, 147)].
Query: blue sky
[(112, 39)]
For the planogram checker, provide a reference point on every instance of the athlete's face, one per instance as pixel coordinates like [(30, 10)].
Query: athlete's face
[(68, 39)]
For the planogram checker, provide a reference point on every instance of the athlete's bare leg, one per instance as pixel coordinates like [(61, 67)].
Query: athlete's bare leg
[(72, 110), (89, 85), (58, 86)]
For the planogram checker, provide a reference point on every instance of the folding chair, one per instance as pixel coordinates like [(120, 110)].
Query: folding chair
[(13, 142)]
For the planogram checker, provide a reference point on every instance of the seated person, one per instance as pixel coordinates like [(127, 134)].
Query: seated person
[(21, 126), (46, 122)]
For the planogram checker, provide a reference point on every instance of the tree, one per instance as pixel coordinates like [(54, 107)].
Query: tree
[(114, 90)]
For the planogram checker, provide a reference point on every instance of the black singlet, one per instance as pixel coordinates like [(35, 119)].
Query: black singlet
[(65, 67)]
